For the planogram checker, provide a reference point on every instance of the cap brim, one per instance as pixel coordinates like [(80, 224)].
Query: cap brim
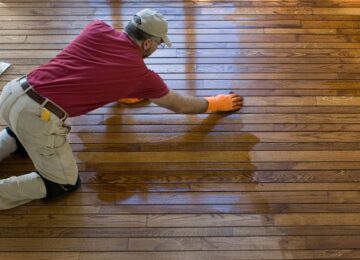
[(167, 41)]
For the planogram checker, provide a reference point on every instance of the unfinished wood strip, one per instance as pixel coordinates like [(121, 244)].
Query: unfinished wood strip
[(116, 17), (183, 209), (173, 25), (39, 256), (153, 198), (279, 98), (228, 137), (216, 128), (229, 119), (179, 232), (196, 11), (112, 176), (246, 146), (73, 221), (307, 219), (316, 219), (179, 4), (19, 166), (122, 175), (196, 38), (205, 198), (207, 187), (218, 45), (233, 156), (235, 197), (210, 53), (257, 84), (225, 255), (272, 186), (273, 108), (62, 244)]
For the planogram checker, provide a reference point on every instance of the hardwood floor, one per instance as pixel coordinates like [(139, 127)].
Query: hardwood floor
[(278, 179)]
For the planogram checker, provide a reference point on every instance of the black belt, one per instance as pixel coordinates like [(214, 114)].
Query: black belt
[(39, 99)]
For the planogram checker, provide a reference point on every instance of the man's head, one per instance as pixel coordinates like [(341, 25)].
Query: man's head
[(149, 28)]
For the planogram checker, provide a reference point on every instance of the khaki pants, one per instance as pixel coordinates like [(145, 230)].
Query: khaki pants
[(45, 142)]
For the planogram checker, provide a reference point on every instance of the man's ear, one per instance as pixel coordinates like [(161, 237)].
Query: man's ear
[(147, 44)]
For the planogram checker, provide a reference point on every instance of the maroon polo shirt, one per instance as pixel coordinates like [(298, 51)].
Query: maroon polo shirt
[(100, 66)]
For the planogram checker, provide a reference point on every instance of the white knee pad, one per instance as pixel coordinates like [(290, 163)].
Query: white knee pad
[(7, 144)]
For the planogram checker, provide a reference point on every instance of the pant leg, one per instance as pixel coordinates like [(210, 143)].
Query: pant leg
[(44, 141), (18, 190), (47, 146)]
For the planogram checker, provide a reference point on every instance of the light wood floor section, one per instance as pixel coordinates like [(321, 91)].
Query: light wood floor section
[(277, 180)]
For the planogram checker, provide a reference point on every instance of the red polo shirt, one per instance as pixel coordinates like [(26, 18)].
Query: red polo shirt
[(100, 66)]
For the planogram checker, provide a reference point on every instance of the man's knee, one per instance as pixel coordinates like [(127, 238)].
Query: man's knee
[(54, 189)]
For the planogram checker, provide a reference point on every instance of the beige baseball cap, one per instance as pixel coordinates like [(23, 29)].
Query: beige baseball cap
[(153, 23)]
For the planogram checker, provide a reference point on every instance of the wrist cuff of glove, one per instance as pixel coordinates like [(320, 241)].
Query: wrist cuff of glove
[(212, 104)]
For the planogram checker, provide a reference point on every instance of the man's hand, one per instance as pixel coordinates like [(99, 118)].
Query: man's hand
[(129, 101), (224, 102)]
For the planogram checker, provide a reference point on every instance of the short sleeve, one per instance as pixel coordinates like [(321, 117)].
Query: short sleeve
[(152, 86)]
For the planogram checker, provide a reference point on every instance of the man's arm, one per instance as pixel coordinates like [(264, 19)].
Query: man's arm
[(194, 105), (182, 104)]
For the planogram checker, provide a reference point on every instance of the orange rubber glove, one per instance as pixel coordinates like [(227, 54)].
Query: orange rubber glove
[(128, 101), (224, 102)]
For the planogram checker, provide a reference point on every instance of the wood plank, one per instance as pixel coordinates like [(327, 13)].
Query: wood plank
[(211, 175), (192, 4), (116, 17), (20, 165), (40, 256), (232, 68), (62, 244), (229, 119), (73, 221), (226, 255), (226, 137), (313, 218), (218, 128), (215, 156), (282, 208), (178, 232)]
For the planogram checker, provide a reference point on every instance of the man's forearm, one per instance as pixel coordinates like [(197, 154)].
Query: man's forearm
[(182, 104)]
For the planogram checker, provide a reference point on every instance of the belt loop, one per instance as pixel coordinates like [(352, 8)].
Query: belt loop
[(26, 90), (64, 117), (44, 103)]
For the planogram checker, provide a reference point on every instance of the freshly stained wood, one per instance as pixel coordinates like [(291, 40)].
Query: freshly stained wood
[(278, 179)]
